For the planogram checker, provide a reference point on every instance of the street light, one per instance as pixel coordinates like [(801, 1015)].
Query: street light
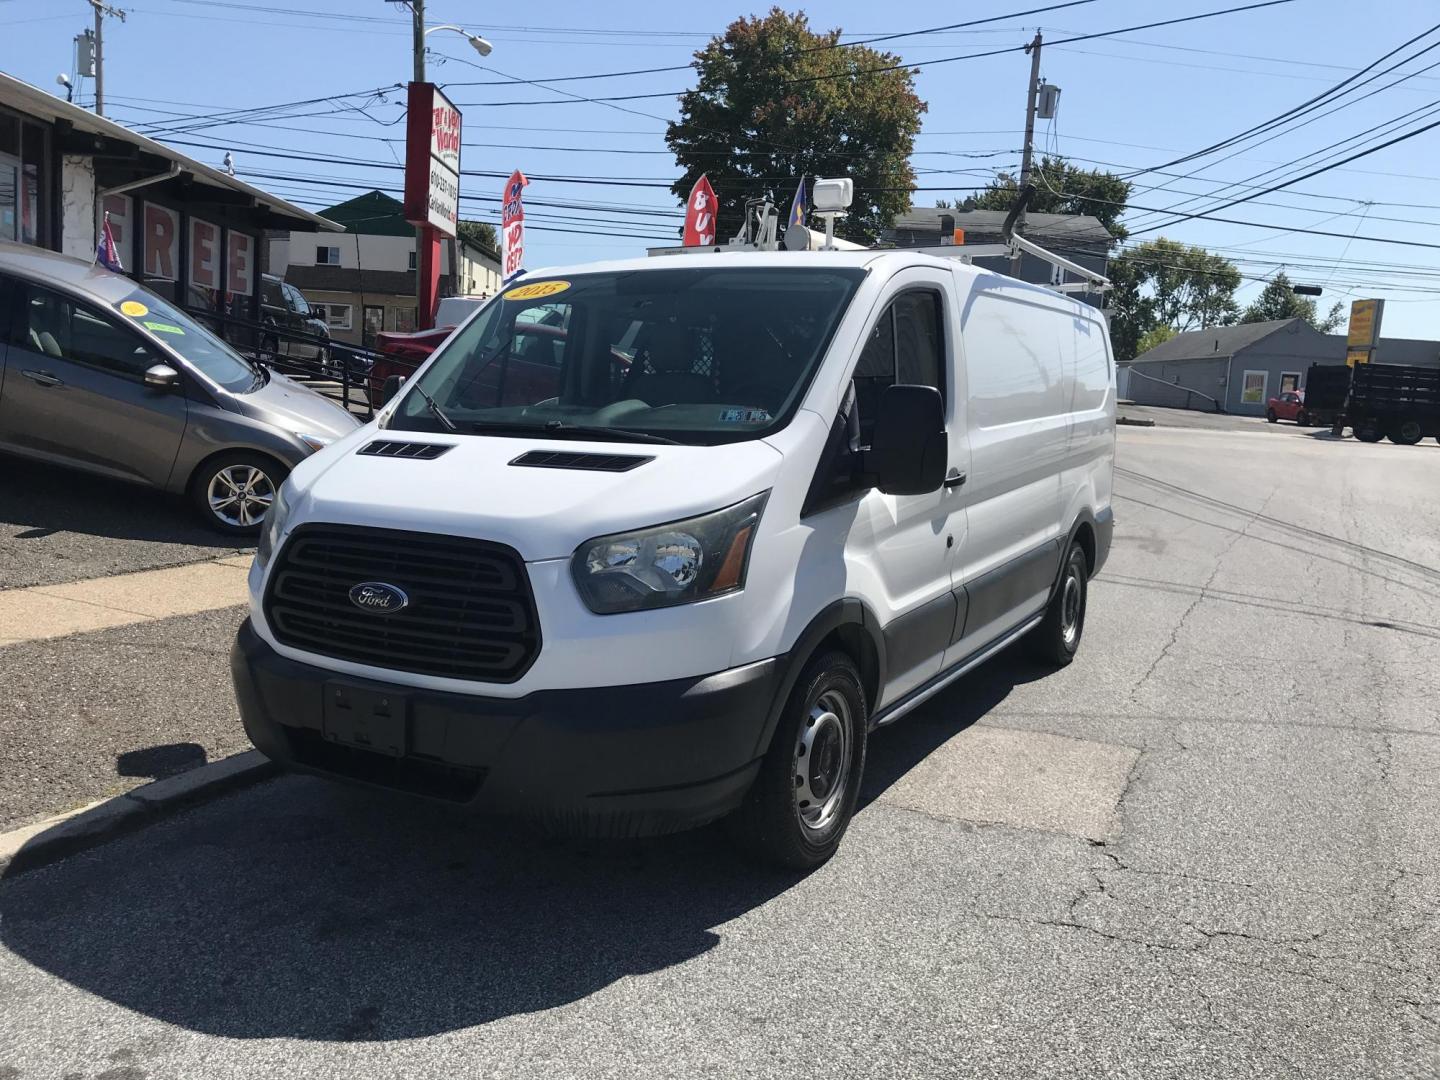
[(481, 46)]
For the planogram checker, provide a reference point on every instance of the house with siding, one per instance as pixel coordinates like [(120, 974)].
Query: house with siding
[(1237, 369)]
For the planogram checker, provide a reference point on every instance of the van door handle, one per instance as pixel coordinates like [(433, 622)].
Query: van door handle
[(955, 479), (44, 378)]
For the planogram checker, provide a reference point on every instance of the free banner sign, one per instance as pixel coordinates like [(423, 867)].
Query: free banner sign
[(432, 159)]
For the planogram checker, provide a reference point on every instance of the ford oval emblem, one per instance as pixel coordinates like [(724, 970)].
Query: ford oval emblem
[(378, 596)]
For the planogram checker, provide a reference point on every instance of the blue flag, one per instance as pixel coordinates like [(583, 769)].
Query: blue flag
[(798, 207)]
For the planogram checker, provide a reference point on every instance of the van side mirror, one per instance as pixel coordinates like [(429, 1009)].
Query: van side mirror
[(162, 377), (908, 450), (390, 387)]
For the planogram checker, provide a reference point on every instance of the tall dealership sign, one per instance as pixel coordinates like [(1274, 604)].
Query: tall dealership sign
[(432, 186), (512, 226)]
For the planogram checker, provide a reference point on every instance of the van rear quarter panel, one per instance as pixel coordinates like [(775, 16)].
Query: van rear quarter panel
[(1017, 417)]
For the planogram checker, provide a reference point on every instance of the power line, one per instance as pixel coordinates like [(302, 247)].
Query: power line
[(914, 64)]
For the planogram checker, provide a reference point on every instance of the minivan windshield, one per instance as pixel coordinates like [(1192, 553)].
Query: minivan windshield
[(209, 355), (676, 354)]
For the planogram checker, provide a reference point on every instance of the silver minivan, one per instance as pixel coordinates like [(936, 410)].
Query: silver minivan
[(100, 373)]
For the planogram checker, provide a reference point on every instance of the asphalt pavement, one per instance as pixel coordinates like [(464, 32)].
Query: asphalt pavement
[(58, 525), (1208, 848)]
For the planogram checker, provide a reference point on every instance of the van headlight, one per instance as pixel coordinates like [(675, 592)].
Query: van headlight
[(678, 563), (274, 525)]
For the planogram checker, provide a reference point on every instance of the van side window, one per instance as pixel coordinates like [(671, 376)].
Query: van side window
[(906, 346)]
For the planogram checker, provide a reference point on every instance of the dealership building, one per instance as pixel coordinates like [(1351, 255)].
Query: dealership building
[(187, 230)]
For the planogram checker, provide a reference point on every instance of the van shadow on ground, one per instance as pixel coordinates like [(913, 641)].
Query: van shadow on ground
[(307, 910)]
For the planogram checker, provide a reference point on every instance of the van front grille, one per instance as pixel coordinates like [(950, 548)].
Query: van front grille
[(468, 611)]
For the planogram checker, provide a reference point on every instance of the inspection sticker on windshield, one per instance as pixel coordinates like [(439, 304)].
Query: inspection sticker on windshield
[(134, 309), (164, 328), (745, 416), (536, 290)]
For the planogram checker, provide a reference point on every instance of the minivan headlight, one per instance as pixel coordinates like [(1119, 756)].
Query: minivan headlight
[(274, 525), (678, 563)]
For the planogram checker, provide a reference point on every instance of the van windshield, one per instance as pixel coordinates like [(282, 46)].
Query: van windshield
[(686, 354)]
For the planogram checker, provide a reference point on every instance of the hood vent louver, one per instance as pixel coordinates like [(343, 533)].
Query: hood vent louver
[(393, 448), (569, 459)]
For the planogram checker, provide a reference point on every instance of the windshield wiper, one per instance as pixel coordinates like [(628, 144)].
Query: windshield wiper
[(434, 407), (602, 432), (558, 429)]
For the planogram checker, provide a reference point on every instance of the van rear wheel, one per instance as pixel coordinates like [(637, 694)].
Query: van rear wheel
[(1057, 638), (797, 812)]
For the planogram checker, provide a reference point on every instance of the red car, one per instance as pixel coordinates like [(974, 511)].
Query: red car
[(1288, 406), (530, 371)]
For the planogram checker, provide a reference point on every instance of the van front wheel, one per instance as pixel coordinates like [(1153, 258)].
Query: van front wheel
[(1057, 638), (805, 793)]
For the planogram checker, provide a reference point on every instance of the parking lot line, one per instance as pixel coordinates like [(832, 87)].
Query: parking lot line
[(77, 607)]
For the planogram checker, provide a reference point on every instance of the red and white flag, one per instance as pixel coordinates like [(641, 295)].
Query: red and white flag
[(700, 214), (512, 226)]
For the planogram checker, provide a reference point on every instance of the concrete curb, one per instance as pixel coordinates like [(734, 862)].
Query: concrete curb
[(56, 837)]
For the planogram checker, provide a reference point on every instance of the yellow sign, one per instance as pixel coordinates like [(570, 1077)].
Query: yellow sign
[(134, 309), (1364, 323), (537, 290), (1356, 356)]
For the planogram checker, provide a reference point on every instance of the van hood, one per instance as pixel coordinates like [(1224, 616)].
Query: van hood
[(286, 403), (474, 488)]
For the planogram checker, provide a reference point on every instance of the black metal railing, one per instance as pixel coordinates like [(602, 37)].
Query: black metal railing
[(338, 369)]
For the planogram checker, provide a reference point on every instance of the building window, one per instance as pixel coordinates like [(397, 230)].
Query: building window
[(327, 256), (1289, 382), (1252, 389), (404, 319), (24, 179), (336, 316), (411, 264)]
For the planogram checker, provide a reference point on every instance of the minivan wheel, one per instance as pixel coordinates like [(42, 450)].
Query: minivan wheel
[(233, 492), (1057, 638), (804, 796)]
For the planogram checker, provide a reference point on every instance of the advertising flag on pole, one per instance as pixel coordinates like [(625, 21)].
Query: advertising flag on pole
[(512, 226), (798, 207), (700, 215), (106, 253)]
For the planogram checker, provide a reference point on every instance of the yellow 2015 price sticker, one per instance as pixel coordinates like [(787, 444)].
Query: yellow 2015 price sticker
[(134, 309), (536, 290)]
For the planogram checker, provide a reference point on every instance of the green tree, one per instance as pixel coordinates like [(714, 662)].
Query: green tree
[(1278, 301), (1163, 283), (776, 101), (1061, 188), (479, 233), (1157, 335)]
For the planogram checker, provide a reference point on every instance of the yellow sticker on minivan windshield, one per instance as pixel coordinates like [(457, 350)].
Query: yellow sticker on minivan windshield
[(134, 309), (537, 290)]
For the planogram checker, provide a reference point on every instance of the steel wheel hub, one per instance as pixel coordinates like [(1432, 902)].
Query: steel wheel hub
[(822, 761), (1070, 608), (240, 495)]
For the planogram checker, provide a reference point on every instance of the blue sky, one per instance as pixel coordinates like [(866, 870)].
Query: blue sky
[(1128, 102)]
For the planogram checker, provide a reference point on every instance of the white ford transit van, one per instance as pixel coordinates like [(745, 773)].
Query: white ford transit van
[(653, 542)]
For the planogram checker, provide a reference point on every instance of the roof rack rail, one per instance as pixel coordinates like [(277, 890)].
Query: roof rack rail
[(758, 233)]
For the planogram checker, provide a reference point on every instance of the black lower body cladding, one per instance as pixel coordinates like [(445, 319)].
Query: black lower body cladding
[(605, 761)]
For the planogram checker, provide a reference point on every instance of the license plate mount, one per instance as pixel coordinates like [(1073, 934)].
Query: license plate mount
[(365, 718)]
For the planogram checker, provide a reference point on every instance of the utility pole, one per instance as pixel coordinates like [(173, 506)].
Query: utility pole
[(422, 232), (1030, 99), (101, 10)]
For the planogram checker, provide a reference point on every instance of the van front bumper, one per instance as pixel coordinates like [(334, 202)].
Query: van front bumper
[(605, 761)]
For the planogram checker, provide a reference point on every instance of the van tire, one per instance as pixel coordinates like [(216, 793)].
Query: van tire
[(1057, 639), (1368, 432), (827, 703), (236, 465)]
